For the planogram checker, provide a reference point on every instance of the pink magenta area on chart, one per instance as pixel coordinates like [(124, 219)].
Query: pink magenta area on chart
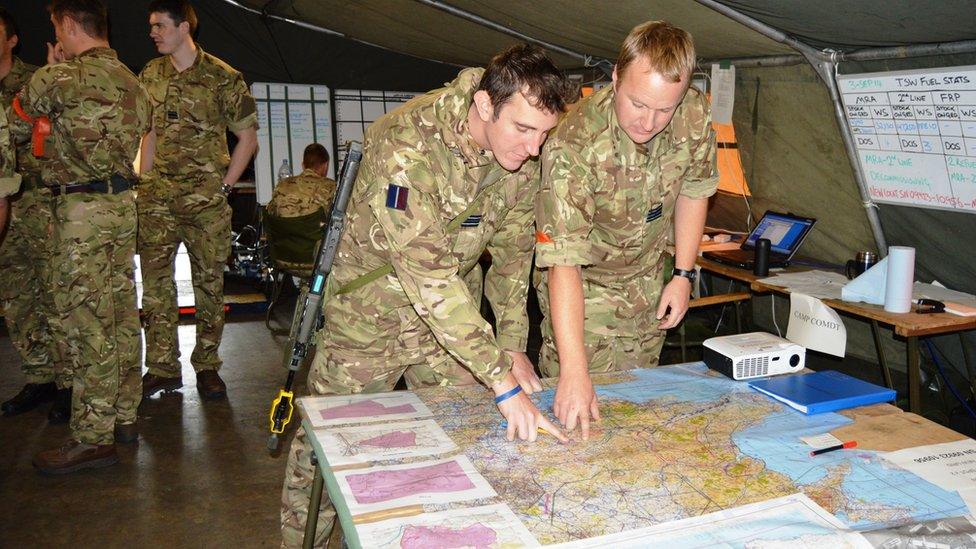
[(365, 408), (396, 439), (478, 536), (382, 486)]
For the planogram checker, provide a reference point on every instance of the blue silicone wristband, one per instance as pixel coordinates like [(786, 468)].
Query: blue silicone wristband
[(509, 394)]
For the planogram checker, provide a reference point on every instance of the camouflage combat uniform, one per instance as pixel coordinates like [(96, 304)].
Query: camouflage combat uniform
[(98, 114), (306, 193), (180, 201), (301, 195), (25, 298), (607, 205), (9, 179), (420, 171)]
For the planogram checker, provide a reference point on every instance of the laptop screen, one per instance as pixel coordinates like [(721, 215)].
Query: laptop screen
[(785, 232)]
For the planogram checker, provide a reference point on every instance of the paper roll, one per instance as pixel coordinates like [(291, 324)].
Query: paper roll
[(901, 279)]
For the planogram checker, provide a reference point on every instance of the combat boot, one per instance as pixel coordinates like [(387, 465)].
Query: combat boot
[(74, 456), (30, 397), (152, 384), (210, 385), (126, 433), (60, 411)]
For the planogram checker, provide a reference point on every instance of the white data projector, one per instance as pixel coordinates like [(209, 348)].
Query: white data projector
[(753, 355)]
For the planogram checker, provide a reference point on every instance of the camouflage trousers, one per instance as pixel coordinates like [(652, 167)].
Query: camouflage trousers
[(335, 371), (25, 289), (620, 330), (607, 354), (199, 217), (95, 297)]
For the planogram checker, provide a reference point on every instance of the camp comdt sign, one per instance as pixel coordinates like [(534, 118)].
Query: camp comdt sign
[(816, 326)]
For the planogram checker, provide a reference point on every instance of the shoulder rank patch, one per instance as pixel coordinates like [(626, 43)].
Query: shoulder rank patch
[(472, 221), (654, 213), (396, 197)]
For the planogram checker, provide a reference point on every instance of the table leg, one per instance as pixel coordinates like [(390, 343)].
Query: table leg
[(914, 376), (968, 361), (882, 360), (684, 343), (312, 520), (737, 310)]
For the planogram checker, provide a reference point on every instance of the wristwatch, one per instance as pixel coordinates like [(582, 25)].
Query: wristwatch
[(690, 275), (226, 189)]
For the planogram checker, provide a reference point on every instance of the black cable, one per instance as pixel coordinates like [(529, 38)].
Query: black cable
[(267, 24), (945, 378)]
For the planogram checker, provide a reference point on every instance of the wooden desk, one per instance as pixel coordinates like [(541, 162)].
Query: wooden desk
[(908, 325)]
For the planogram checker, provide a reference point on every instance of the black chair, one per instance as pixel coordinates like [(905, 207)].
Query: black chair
[(292, 245)]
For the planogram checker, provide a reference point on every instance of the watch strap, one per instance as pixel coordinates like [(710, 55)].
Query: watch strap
[(690, 275)]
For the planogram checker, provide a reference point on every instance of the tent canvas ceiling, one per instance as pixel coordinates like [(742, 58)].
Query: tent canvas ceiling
[(596, 27)]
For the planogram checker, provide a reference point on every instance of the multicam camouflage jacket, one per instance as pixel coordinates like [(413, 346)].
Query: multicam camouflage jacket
[(19, 74), (9, 180), (607, 203), (98, 113), (193, 110), (305, 193), (421, 170)]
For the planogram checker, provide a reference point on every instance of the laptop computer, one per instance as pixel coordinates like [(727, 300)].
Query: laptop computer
[(785, 233)]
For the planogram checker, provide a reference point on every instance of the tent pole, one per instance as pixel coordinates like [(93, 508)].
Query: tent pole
[(869, 54), (824, 63), (784, 60), (870, 208), (317, 28), (588, 60), (916, 50)]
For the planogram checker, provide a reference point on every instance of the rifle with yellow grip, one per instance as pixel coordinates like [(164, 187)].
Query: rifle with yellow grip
[(310, 307)]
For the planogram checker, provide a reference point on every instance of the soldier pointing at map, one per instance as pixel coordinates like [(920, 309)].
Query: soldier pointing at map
[(628, 168), (444, 178)]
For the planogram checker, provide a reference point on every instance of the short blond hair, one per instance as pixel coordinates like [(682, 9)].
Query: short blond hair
[(669, 51)]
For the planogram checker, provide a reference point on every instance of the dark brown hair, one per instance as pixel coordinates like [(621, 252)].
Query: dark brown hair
[(527, 69), (177, 10), (8, 23), (91, 15), (315, 156)]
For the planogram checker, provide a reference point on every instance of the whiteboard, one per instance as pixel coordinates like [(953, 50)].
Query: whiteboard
[(355, 110), (290, 117), (915, 135)]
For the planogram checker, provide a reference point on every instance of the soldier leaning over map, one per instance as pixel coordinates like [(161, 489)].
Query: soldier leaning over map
[(630, 167), (443, 178)]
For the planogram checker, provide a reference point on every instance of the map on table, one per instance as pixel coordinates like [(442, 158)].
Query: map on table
[(487, 527), (678, 442), (371, 442), (794, 519), (427, 482), (361, 408)]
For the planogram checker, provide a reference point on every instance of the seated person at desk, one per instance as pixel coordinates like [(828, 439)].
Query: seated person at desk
[(628, 167), (307, 192)]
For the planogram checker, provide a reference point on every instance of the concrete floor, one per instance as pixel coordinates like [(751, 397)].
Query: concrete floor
[(200, 475)]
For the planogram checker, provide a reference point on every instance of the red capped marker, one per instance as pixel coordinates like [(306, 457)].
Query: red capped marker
[(848, 444)]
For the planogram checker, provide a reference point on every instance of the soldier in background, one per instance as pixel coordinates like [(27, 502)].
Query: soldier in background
[(25, 295), (307, 192), (623, 163), (183, 198), (97, 113), (443, 178), (9, 179)]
